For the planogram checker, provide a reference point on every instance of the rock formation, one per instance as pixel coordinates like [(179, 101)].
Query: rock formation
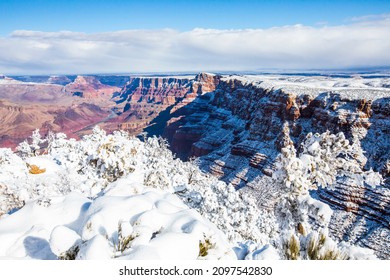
[(150, 101), (90, 87)]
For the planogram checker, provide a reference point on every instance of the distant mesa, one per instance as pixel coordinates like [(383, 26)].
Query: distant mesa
[(59, 80)]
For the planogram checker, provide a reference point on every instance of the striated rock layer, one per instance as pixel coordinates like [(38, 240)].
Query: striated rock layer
[(150, 101)]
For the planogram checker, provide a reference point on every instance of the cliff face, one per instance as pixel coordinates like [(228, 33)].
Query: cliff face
[(154, 89), (248, 117), (147, 101), (73, 104), (238, 130), (90, 87)]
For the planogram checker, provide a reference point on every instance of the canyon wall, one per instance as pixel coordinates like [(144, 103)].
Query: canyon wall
[(238, 129)]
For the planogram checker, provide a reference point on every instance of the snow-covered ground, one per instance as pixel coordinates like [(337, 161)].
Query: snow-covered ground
[(115, 196), (112, 196), (353, 88)]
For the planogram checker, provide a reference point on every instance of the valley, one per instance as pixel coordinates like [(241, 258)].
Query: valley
[(235, 125)]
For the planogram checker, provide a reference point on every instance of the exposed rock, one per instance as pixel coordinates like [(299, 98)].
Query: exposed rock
[(158, 94), (153, 89), (205, 82), (258, 160), (59, 80), (90, 87), (351, 196)]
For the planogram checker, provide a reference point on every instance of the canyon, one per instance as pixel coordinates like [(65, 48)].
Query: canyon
[(235, 125)]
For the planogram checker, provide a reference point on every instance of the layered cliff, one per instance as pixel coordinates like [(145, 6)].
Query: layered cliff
[(150, 101), (90, 87), (254, 114), (73, 104)]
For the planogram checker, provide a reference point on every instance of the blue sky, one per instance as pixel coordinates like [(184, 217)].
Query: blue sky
[(112, 15), (94, 36)]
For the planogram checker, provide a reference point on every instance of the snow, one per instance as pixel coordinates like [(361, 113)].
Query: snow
[(116, 197), (158, 221), (353, 88), (98, 212), (24, 232), (265, 253), (62, 238), (9, 81), (357, 253)]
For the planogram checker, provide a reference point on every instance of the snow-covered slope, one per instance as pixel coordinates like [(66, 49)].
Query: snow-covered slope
[(114, 196)]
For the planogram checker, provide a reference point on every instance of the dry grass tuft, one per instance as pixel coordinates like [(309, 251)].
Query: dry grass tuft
[(204, 247), (293, 248), (33, 169)]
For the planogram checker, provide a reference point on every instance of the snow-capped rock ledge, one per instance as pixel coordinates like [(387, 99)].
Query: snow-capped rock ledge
[(351, 88)]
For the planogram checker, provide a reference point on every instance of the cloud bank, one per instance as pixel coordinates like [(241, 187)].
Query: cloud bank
[(361, 43)]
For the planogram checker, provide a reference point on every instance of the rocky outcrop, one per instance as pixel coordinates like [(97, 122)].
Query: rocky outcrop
[(59, 80), (90, 87), (253, 117), (154, 89), (142, 99), (147, 98), (205, 82), (362, 200)]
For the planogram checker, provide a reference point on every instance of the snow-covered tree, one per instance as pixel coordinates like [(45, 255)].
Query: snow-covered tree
[(33, 147), (321, 159)]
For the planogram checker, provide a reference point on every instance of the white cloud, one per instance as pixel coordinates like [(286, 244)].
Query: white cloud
[(369, 18), (359, 43)]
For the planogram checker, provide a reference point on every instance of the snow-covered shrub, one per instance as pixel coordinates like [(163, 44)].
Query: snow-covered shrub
[(319, 246), (312, 247), (8, 200), (234, 212), (321, 158), (292, 248), (33, 147), (117, 174)]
